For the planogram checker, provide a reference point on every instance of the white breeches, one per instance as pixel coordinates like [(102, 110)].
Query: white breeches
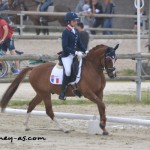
[(67, 62)]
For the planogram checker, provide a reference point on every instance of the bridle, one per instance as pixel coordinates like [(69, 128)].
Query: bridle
[(110, 55)]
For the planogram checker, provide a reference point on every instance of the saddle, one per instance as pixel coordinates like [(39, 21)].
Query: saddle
[(74, 68), (57, 73), (44, 19), (50, 8)]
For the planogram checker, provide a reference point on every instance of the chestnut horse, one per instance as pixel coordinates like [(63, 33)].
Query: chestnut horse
[(91, 84), (32, 5)]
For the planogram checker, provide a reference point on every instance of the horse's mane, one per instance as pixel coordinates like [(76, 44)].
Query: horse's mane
[(94, 50)]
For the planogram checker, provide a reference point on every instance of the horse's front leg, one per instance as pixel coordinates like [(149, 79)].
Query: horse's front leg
[(98, 99), (101, 108)]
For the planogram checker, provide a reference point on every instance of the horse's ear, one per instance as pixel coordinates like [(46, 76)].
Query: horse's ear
[(116, 47)]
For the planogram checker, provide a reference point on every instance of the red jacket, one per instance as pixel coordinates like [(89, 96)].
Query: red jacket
[(10, 29)]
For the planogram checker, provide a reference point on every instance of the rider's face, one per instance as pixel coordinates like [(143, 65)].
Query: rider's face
[(73, 23)]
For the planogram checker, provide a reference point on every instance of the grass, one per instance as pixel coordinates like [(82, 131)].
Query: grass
[(18, 103), (127, 72), (115, 99)]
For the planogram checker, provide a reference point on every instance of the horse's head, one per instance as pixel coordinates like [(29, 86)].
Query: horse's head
[(110, 59), (104, 57)]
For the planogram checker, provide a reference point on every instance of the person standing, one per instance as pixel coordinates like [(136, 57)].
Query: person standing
[(84, 35), (7, 42), (142, 13), (96, 8), (108, 9), (82, 8), (71, 46)]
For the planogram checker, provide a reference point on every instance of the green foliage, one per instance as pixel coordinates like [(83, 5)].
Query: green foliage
[(146, 97), (116, 99)]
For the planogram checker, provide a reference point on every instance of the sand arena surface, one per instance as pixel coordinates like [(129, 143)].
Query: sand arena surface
[(122, 137)]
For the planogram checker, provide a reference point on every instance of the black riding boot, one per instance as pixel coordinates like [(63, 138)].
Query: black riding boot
[(64, 87)]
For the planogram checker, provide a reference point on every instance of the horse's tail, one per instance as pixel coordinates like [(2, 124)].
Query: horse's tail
[(13, 87)]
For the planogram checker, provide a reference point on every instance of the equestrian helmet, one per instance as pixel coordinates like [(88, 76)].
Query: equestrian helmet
[(71, 16)]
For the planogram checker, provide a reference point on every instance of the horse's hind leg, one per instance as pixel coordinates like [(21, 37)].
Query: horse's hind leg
[(50, 113), (35, 101)]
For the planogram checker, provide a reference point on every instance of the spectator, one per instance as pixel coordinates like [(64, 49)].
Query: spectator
[(84, 35), (142, 13), (3, 5), (82, 7), (96, 8), (108, 9), (6, 41)]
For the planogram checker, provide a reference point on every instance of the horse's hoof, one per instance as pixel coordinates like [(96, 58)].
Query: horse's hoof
[(27, 129), (2, 110), (102, 126), (66, 131), (105, 133)]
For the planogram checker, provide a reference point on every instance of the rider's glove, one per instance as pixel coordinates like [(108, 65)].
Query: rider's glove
[(79, 53), (86, 52)]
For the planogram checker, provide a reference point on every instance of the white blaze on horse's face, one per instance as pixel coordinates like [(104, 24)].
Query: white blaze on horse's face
[(113, 62)]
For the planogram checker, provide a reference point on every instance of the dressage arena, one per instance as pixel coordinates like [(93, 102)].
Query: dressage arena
[(122, 136)]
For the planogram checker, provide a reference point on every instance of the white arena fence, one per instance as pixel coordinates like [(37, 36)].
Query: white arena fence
[(61, 115), (22, 26)]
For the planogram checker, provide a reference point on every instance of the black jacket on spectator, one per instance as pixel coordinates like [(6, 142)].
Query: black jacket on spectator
[(98, 21)]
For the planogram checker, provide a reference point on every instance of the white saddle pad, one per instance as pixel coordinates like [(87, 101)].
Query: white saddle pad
[(50, 9), (56, 76)]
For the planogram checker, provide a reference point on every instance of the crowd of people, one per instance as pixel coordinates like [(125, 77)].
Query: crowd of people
[(95, 7)]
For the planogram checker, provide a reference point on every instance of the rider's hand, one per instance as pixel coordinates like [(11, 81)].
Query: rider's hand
[(79, 53), (86, 52)]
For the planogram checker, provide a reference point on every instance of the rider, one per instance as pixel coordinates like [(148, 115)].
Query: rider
[(45, 4), (71, 42)]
